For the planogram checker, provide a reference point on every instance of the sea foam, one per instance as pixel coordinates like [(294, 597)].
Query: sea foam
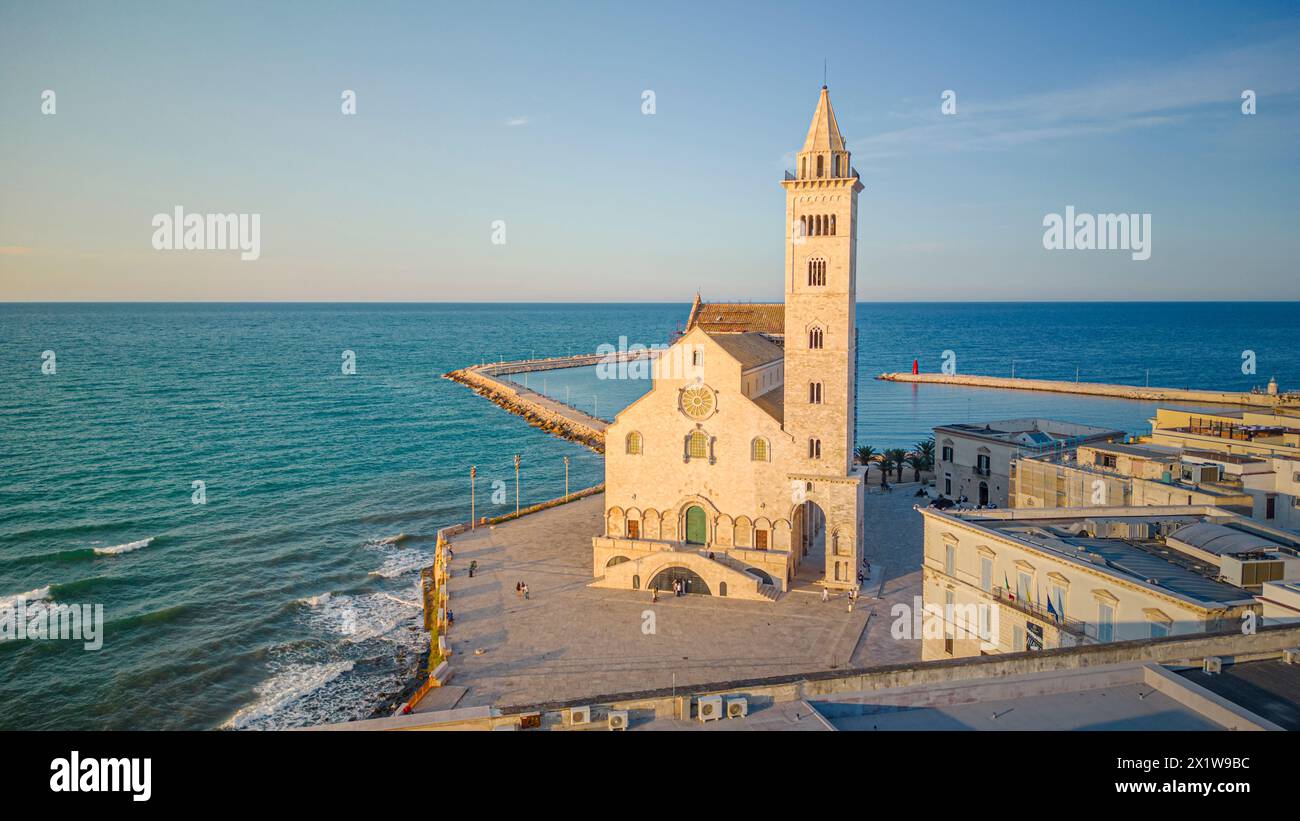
[(123, 548), (289, 685), (31, 595)]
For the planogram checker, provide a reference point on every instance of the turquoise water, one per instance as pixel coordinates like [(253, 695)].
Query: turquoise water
[(288, 597)]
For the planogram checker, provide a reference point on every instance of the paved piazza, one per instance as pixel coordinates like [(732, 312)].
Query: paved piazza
[(569, 641)]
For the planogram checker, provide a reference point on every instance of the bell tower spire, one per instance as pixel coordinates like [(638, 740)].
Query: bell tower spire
[(824, 154)]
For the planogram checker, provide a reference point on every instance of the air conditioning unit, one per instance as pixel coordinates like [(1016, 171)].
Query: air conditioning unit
[(1291, 655), (579, 715), (737, 708), (617, 719), (1213, 664), (709, 708)]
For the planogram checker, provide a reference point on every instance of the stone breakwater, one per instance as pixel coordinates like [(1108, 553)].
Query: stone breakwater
[(540, 411), (1262, 400)]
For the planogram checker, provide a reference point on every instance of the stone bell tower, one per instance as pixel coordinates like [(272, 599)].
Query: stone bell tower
[(821, 218)]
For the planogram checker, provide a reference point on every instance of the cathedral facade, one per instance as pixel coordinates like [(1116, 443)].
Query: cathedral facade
[(734, 474)]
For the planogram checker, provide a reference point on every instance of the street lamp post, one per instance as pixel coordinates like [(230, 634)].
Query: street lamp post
[(566, 478), (516, 484), (473, 520)]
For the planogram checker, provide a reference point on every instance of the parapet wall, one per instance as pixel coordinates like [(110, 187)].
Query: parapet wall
[(915, 684)]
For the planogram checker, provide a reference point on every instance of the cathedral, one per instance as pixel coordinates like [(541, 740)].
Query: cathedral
[(734, 475)]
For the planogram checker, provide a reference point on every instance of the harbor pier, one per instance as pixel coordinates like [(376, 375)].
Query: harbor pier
[(537, 409), (1149, 394)]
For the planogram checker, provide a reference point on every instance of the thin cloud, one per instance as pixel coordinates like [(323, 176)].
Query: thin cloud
[(1144, 98), (516, 122)]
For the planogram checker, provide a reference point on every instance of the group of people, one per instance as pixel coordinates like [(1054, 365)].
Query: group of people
[(679, 589), (852, 596), (521, 589)]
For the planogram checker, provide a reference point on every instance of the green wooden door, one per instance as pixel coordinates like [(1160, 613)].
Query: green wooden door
[(697, 530)]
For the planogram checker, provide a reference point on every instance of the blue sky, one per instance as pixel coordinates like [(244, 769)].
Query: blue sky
[(531, 113)]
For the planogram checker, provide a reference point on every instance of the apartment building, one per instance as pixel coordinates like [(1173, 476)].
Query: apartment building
[(974, 460), (1011, 580), (1188, 459)]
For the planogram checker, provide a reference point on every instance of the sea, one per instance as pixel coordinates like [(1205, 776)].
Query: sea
[(250, 490)]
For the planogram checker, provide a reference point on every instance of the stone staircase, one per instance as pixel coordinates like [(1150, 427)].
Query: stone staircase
[(767, 591)]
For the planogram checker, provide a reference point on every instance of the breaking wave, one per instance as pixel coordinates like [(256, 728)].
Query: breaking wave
[(117, 550), (31, 595), (293, 683)]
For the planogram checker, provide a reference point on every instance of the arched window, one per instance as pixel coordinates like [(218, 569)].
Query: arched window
[(814, 393), (820, 165), (832, 225), (697, 358), (835, 166), (815, 339), (804, 168), (758, 450), (634, 443), (814, 448), (697, 445), (816, 272)]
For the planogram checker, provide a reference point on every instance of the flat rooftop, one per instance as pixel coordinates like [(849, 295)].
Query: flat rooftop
[(1031, 432), (1269, 689), (1124, 707), (1227, 458), (1138, 450), (1146, 561)]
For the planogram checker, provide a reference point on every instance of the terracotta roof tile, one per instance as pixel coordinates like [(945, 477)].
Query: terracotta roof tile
[(739, 317)]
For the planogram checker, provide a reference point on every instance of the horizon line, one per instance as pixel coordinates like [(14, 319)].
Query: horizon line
[(641, 302)]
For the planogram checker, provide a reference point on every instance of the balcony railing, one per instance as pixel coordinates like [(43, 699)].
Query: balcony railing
[(1073, 626)]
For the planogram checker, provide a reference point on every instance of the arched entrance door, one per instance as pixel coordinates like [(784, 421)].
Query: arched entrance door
[(809, 531), (984, 493), (808, 539), (697, 525), (691, 581)]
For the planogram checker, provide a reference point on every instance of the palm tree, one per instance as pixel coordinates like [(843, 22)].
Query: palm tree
[(866, 454), (886, 461), (925, 449), (917, 463), (899, 458)]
